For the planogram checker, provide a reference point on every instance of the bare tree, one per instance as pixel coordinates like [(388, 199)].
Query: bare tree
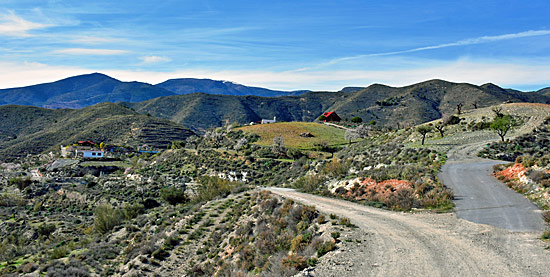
[(459, 108), (361, 131), (278, 146), (498, 111), (440, 127), (350, 135), (240, 144)]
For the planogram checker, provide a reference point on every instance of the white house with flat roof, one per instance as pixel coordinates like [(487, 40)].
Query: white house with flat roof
[(267, 121), (90, 153)]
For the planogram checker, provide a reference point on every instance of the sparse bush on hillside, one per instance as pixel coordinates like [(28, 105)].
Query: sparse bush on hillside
[(174, 195), (20, 182), (309, 183), (356, 119), (106, 218), (45, 229), (212, 187), (535, 144)]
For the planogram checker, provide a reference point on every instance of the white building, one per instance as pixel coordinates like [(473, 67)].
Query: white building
[(90, 153), (267, 121)]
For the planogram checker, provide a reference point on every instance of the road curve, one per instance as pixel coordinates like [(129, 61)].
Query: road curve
[(404, 244), (481, 198)]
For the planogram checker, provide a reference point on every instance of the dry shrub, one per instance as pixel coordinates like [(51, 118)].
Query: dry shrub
[(546, 216), (294, 261), (402, 200)]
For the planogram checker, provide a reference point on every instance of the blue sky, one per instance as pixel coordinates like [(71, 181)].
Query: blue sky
[(318, 45)]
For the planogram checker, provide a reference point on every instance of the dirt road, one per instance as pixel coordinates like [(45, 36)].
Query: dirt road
[(404, 244)]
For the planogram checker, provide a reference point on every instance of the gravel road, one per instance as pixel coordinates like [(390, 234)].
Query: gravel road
[(424, 244)]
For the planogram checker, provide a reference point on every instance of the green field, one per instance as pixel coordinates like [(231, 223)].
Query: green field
[(290, 131)]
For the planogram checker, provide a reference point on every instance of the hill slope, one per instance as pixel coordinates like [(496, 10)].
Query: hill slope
[(386, 105), (200, 111), (290, 131), (31, 130), (81, 91), (191, 85)]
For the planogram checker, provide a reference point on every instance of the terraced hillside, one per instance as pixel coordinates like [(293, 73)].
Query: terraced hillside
[(31, 130)]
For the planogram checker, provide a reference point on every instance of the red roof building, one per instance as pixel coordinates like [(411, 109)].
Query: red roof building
[(86, 143), (331, 116)]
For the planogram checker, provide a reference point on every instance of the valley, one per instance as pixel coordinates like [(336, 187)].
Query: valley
[(186, 185)]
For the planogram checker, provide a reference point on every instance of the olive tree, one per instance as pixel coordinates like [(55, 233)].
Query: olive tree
[(424, 130), (502, 124)]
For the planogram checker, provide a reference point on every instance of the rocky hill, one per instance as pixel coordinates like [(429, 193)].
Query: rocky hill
[(31, 130), (387, 106)]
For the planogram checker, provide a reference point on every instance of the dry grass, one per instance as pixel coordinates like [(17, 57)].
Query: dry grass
[(290, 131)]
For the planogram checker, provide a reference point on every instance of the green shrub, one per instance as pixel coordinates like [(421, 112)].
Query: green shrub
[(312, 261), (59, 252), (45, 229), (325, 247), (356, 119), (173, 195), (309, 183), (106, 218), (133, 210), (213, 187), (546, 234), (20, 182)]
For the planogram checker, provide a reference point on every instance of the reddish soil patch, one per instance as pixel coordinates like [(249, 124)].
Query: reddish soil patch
[(514, 172), (370, 189)]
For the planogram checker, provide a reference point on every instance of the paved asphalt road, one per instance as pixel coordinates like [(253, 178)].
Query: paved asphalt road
[(481, 198)]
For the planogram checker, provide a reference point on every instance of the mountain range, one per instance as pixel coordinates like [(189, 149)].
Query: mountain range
[(385, 105), (85, 90), (167, 111)]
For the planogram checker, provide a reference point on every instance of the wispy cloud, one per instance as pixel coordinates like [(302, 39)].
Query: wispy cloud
[(93, 40), (16, 26), (464, 42), (154, 59), (89, 51)]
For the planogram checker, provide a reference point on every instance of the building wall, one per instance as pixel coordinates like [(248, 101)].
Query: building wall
[(91, 154)]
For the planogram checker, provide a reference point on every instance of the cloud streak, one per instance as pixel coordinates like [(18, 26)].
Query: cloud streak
[(89, 51), (464, 42), (93, 40), (154, 59), (15, 26)]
